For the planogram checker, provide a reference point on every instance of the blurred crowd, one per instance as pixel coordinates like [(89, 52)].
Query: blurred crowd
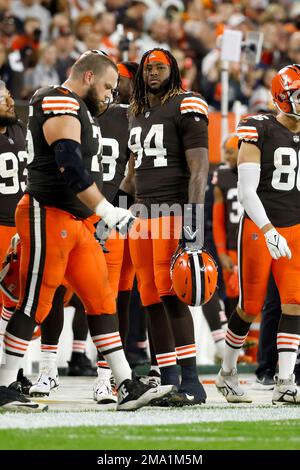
[(40, 40)]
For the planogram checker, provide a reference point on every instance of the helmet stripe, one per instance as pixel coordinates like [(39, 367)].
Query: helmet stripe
[(194, 276), (202, 278), (197, 273)]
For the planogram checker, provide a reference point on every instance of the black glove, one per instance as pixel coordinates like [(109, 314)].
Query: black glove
[(192, 236)]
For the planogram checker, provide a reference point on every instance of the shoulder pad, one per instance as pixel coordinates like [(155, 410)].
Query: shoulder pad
[(194, 104)]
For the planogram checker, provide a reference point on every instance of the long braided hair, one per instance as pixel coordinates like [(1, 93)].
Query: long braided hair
[(139, 98)]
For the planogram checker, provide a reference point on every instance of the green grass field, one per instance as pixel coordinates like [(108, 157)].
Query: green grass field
[(269, 435)]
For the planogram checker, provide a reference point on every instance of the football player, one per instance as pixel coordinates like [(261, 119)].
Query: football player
[(63, 191), (269, 234), (13, 158), (227, 212), (168, 140)]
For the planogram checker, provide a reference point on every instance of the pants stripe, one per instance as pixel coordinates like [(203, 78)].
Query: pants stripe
[(240, 261), (37, 258)]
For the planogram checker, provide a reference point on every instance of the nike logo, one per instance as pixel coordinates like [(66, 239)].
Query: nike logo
[(189, 232), (189, 397)]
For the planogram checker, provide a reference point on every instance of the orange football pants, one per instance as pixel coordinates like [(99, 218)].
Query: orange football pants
[(256, 263), (152, 244), (57, 246), (231, 278), (119, 267)]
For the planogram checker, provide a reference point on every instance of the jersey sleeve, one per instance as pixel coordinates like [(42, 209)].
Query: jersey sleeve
[(194, 122), (59, 103), (250, 130)]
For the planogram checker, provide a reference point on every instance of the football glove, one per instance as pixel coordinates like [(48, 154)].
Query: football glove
[(277, 244), (192, 236), (115, 217)]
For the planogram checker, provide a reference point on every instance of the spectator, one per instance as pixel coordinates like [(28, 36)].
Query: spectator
[(261, 99), (23, 9), (6, 73), (191, 46), (66, 53), (43, 74)]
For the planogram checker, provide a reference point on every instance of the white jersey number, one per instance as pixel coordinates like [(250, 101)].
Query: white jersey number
[(111, 159), (286, 175), (157, 151), (9, 172), (236, 208)]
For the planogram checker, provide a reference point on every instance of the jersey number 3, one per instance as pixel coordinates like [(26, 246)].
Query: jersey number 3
[(156, 134)]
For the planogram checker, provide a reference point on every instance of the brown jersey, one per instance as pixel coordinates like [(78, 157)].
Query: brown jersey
[(226, 179), (13, 159), (158, 139), (115, 153), (45, 182), (279, 185)]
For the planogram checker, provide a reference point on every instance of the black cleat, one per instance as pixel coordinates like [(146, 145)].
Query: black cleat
[(133, 394), (24, 381), (12, 399), (182, 397), (80, 365)]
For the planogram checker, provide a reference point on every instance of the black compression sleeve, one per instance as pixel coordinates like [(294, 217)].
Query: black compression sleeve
[(69, 161)]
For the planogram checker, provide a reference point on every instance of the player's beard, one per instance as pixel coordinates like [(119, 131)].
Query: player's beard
[(8, 120), (162, 89), (92, 101)]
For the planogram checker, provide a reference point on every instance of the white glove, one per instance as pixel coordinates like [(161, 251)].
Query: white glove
[(115, 217), (277, 244)]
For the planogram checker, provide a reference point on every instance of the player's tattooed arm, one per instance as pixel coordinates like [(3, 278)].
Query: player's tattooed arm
[(197, 160)]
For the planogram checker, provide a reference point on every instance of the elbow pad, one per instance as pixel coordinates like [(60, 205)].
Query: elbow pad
[(68, 157)]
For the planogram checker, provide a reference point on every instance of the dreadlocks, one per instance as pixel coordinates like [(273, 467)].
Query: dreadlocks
[(139, 96)]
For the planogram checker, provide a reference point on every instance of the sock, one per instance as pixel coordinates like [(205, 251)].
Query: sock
[(78, 346), (101, 362), (211, 312), (222, 315), (15, 343), (80, 325), (288, 338), (123, 304), (52, 326), (48, 358), (4, 319), (162, 340), (104, 373), (103, 329), (235, 337)]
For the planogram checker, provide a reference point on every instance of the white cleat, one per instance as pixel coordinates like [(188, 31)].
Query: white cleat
[(47, 382), (103, 393), (227, 383), (286, 392)]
